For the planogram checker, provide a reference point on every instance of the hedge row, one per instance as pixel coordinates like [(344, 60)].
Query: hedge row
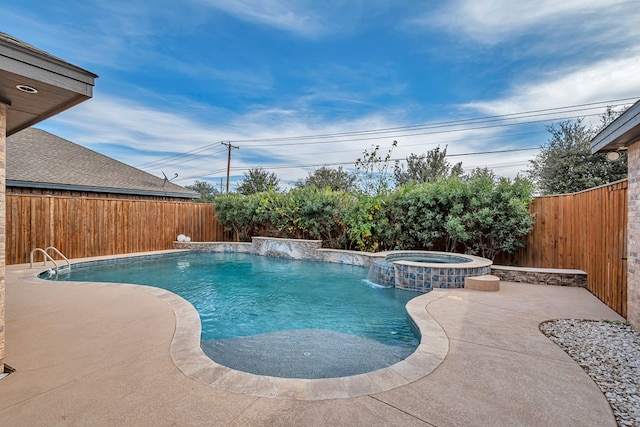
[(476, 215)]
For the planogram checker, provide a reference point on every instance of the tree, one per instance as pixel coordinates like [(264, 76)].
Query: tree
[(373, 170), (428, 167), (206, 190), (325, 177), (566, 165), (257, 180)]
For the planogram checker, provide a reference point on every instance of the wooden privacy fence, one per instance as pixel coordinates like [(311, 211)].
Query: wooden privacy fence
[(85, 227), (585, 231)]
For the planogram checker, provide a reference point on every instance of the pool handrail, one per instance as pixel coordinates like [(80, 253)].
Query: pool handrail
[(45, 253)]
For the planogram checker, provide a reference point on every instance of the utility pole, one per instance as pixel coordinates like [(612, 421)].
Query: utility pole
[(229, 147)]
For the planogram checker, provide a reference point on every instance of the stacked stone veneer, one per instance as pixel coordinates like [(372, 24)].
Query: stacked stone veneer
[(404, 275), (282, 248), (215, 246), (339, 256), (396, 273), (541, 276), (286, 248), (633, 237)]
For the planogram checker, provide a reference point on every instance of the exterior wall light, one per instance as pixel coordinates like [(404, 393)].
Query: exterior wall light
[(612, 156), (27, 89)]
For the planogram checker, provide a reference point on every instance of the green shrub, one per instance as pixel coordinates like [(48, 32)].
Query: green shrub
[(303, 213), (321, 214), (236, 212), (497, 218), (366, 223), (477, 214)]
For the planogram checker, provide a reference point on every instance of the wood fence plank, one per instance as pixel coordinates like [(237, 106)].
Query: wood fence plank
[(84, 227), (585, 231)]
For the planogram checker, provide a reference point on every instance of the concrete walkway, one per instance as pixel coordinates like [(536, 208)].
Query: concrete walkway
[(101, 355)]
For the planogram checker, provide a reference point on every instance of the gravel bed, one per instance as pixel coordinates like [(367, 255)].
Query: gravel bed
[(610, 353)]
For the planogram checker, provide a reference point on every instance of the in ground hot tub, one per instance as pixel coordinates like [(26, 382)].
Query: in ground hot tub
[(422, 271)]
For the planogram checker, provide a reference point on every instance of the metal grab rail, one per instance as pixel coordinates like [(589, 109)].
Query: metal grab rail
[(46, 257), (45, 253), (54, 249)]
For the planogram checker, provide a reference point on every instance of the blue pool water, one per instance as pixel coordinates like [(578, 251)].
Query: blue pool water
[(279, 317)]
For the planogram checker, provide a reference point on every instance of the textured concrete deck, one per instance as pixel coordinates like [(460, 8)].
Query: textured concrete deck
[(102, 355)]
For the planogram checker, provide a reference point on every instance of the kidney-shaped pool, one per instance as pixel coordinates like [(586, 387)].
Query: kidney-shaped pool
[(277, 317)]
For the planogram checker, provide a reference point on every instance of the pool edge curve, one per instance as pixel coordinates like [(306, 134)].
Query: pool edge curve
[(190, 359)]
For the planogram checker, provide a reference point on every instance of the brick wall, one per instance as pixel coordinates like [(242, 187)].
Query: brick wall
[(633, 238), (3, 129)]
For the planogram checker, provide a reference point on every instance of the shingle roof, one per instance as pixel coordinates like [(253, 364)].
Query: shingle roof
[(38, 159)]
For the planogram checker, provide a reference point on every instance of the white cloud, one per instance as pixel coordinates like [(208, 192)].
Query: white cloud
[(136, 134), (494, 21), (609, 79), (289, 15), (307, 18)]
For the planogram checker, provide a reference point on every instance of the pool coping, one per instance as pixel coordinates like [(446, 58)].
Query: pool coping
[(188, 356)]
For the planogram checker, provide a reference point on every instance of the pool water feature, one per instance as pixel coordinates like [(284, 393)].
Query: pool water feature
[(423, 271), (279, 317)]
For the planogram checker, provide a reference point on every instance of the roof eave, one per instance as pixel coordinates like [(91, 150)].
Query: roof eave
[(69, 187), (22, 52), (622, 132), (59, 85), (50, 113)]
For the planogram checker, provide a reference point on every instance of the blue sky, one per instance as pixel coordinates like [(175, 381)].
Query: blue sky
[(181, 76)]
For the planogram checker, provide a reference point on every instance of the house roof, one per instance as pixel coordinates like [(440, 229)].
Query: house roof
[(622, 132), (37, 85), (39, 159)]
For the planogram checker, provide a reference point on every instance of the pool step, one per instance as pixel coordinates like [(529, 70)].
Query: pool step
[(487, 282)]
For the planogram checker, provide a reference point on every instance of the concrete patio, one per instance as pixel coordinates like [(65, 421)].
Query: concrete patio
[(101, 355)]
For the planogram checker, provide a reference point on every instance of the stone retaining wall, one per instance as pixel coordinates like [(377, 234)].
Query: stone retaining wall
[(311, 250), (286, 248), (215, 246), (283, 248), (345, 257), (541, 276)]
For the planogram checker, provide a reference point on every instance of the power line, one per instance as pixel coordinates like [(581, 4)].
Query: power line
[(382, 133), (353, 162), (414, 134), (156, 163), (430, 132), (172, 163), (450, 123), (428, 144), (427, 129)]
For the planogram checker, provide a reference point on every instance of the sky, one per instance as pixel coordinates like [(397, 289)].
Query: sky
[(300, 84)]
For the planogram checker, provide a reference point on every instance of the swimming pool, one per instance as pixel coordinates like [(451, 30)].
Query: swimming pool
[(279, 317), (423, 271)]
